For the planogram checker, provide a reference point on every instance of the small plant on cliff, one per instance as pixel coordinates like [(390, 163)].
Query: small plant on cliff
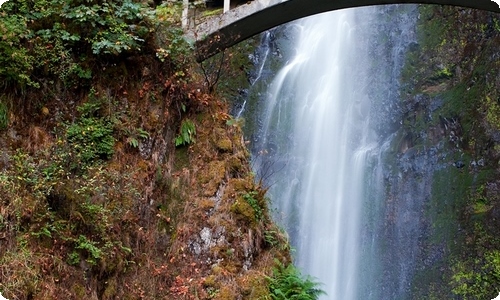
[(251, 199), (135, 136), (187, 133), (94, 253), (287, 283), (277, 237)]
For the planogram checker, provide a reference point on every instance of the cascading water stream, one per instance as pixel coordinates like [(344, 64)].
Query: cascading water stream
[(315, 95), (316, 136), (260, 68)]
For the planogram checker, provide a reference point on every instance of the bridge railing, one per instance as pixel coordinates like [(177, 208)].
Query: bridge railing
[(193, 10)]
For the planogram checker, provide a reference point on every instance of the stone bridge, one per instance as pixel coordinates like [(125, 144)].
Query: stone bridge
[(244, 21)]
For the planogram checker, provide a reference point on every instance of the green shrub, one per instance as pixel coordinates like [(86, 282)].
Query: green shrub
[(16, 63), (91, 136), (92, 139), (170, 36), (477, 278), (58, 37), (73, 258)]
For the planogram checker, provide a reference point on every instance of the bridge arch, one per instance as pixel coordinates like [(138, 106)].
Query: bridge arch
[(235, 26)]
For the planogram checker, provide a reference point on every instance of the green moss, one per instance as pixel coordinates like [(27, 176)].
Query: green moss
[(181, 158), (444, 73), (250, 206), (79, 291), (226, 293), (481, 208), (234, 164), (477, 278), (244, 210), (215, 172), (255, 286), (452, 192), (235, 72), (110, 289), (478, 200), (221, 141), (213, 12), (449, 194), (211, 281), (171, 202), (212, 177), (492, 113), (4, 115), (224, 145)]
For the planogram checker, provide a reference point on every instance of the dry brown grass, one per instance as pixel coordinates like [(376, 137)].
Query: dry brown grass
[(38, 139)]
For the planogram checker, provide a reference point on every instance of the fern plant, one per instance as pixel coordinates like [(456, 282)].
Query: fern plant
[(187, 133), (287, 283)]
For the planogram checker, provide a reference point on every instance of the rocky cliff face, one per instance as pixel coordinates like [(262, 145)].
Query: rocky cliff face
[(442, 165)]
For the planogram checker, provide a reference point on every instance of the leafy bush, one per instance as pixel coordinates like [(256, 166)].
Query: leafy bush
[(477, 278), (287, 283), (54, 37), (110, 27), (172, 43), (15, 60), (91, 136)]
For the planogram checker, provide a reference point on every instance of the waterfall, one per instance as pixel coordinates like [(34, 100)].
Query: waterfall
[(318, 142)]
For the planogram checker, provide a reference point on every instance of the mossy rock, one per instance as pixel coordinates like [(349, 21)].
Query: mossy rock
[(211, 282), (111, 289), (234, 164), (226, 293), (241, 184), (64, 200), (79, 291), (243, 210), (206, 204), (221, 141), (212, 177), (224, 145), (254, 286), (181, 159)]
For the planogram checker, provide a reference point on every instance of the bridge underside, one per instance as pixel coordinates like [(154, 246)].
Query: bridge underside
[(261, 15)]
